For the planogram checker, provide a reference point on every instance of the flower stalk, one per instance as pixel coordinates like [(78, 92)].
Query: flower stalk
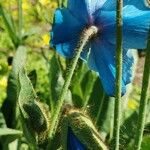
[(85, 36), (117, 109), (144, 98)]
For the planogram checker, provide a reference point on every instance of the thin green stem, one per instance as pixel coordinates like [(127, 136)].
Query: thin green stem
[(88, 90), (100, 108), (20, 22), (144, 99), (87, 34), (117, 110)]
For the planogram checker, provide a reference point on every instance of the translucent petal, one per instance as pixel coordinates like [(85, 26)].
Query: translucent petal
[(136, 24), (83, 10), (102, 60), (140, 4), (66, 49)]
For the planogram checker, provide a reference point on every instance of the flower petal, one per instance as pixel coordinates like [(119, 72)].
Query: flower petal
[(140, 4), (83, 10), (73, 142), (136, 24), (66, 49), (102, 60), (65, 28)]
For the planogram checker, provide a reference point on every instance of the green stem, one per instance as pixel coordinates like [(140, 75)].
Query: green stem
[(88, 89), (20, 23), (117, 110), (100, 108), (87, 34), (144, 99)]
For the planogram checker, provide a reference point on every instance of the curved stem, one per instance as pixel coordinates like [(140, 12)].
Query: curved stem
[(86, 35), (144, 99), (117, 110)]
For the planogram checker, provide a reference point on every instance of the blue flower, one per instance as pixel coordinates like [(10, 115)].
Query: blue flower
[(71, 21), (73, 142)]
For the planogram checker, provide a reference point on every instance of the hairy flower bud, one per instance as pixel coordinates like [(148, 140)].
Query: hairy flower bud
[(83, 129), (38, 119)]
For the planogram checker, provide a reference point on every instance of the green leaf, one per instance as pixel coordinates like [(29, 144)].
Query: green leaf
[(2, 120), (26, 96), (88, 85), (145, 143), (9, 105), (97, 99), (76, 87), (34, 115), (9, 23), (56, 82), (128, 129), (7, 131), (18, 63), (33, 77)]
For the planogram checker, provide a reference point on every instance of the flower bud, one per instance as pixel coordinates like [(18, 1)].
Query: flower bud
[(73, 141), (38, 119), (78, 129)]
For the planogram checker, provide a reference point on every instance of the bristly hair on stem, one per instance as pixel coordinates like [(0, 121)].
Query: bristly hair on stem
[(144, 98), (117, 110), (85, 36)]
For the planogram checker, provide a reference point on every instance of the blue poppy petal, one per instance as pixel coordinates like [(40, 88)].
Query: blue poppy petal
[(102, 60), (136, 25), (140, 4), (128, 64), (83, 10), (66, 49), (73, 142), (65, 28)]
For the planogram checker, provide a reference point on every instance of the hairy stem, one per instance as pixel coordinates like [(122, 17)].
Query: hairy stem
[(144, 99), (86, 35), (117, 110)]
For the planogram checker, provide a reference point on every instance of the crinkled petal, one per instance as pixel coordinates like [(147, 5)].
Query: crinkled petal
[(83, 10), (73, 142), (140, 4), (66, 49), (136, 25), (102, 60), (65, 28), (128, 64)]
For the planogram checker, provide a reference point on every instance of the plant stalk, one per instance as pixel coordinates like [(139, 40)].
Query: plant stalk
[(143, 99), (85, 36), (100, 108), (117, 109)]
